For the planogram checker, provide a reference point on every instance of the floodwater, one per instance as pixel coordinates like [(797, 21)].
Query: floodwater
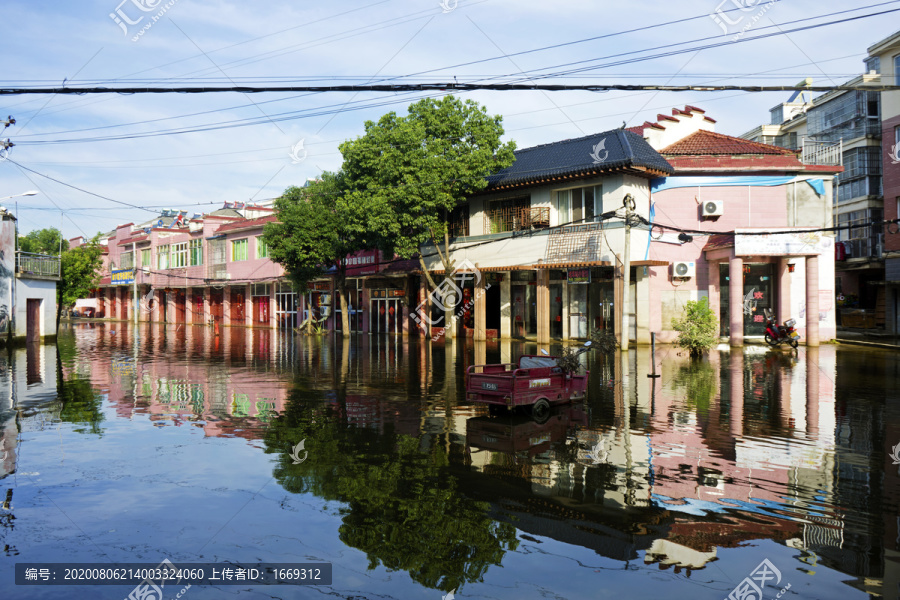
[(750, 468)]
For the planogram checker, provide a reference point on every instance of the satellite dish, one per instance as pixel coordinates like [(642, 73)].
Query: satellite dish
[(159, 223)]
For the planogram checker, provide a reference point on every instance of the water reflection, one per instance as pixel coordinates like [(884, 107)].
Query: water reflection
[(742, 456)]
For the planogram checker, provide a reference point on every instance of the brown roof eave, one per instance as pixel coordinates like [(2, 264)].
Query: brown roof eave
[(629, 170)]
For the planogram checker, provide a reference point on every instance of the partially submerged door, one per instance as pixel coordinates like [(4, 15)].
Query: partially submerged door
[(33, 320)]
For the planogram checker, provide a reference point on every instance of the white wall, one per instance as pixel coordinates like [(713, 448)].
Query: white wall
[(43, 289), (526, 250)]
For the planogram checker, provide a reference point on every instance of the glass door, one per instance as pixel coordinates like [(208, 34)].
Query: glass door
[(578, 311)]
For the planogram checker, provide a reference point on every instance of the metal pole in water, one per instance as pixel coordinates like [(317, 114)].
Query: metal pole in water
[(653, 374)]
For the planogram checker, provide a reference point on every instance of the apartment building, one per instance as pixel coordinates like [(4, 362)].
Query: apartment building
[(844, 128), (884, 59)]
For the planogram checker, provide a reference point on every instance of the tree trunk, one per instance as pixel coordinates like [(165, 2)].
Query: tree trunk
[(345, 309), (448, 272)]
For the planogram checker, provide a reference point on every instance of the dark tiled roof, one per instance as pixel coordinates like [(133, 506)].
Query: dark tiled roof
[(225, 212), (709, 143), (619, 149)]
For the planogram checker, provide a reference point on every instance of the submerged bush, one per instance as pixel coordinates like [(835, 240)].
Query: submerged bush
[(698, 329), (604, 341)]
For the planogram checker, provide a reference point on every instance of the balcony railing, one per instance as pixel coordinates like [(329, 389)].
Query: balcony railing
[(39, 265), (868, 247), (516, 218), (822, 153)]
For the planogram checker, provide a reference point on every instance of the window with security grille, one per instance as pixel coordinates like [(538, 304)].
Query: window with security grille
[(126, 260), (861, 239), (196, 251)]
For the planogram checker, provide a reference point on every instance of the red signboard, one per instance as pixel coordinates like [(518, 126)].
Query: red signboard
[(363, 263)]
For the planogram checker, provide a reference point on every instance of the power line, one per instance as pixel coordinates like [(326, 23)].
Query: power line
[(444, 87), (452, 86), (78, 188), (280, 149)]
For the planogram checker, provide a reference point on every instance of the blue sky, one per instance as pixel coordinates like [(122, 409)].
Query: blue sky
[(359, 41)]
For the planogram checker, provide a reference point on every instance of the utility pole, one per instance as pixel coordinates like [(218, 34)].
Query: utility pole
[(629, 207), (134, 262)]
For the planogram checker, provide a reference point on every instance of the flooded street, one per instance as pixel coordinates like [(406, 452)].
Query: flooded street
[(179, 444)]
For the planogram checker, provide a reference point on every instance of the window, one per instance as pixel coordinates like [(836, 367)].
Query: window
[(162, 257), (127, 260), (873, 63), (239, 250), (196, 247), (262, 250), (859, 162), (179, 255), (861, 238), (897, 70), (145, 257), (512, 214), (579, 205), (458, 223)]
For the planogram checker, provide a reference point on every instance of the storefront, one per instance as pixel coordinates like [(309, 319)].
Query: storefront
[(591, 304), (260, 296), (355, 300), (387, 311), (781, 272), (523, 292), (759, 293), (286, 305), (319, 303)]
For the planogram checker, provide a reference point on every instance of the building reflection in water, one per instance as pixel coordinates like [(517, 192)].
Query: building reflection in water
[(742, 446)]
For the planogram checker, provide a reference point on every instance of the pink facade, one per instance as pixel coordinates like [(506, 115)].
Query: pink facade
[(713, 217), (214, 270)]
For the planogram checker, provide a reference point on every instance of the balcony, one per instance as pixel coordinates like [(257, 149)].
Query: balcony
[(37, 265), (822, 153), (516, 218), (871, 247)]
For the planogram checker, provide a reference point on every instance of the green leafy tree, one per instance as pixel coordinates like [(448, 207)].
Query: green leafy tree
[(407, 174), (79, 274), (698, 329), (43, 241), (314, 234)]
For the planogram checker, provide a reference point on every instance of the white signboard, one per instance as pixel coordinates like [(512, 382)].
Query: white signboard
[(777, 244)]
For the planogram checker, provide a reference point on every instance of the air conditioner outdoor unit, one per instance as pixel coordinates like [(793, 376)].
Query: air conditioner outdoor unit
[(712, 208), (684, 270)]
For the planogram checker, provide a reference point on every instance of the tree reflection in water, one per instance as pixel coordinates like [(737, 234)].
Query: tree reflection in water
[(403, 507)]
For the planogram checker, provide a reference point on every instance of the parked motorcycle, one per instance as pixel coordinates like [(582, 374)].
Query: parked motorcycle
[(776, 334)]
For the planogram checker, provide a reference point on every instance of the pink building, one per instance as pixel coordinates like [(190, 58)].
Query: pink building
[(214, 269), (770, 208)]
